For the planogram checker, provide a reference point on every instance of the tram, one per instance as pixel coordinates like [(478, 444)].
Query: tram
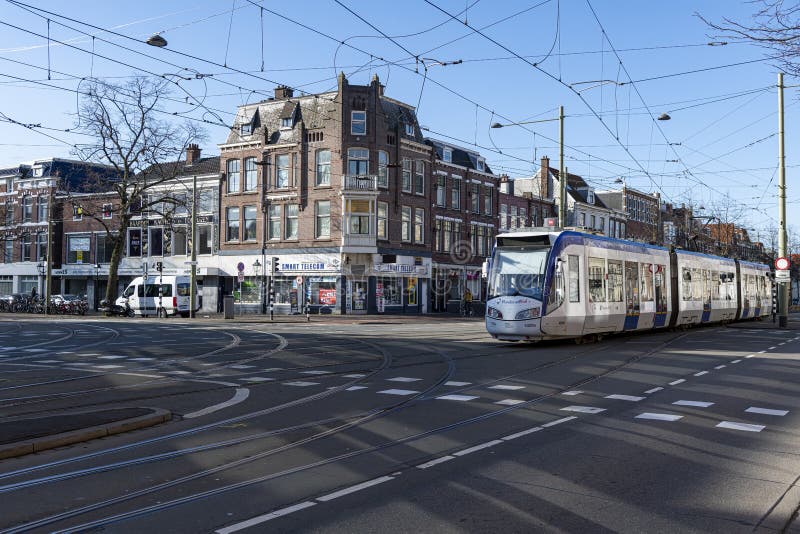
[(551, 284)]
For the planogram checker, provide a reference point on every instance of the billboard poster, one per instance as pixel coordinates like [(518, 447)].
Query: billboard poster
[(327, 297)]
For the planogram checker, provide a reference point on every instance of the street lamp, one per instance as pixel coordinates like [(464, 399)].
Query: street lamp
[(664, 117), (96, 288), (157, 41), (257, 270), (562, 177)]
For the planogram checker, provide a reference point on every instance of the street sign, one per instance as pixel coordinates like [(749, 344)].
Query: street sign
[(782, 264), (299, 280), (240, 267), (782, 276), (241, 276)]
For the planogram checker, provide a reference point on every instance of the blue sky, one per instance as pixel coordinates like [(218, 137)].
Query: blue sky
[(719, 150)]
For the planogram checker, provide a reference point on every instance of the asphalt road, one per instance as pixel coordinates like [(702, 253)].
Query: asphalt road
[(404, 426)]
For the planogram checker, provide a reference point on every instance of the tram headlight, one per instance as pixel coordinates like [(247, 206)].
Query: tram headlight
[(530, 313), (494, 313)]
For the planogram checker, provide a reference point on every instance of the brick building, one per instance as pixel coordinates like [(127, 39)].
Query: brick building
[(643, 212)]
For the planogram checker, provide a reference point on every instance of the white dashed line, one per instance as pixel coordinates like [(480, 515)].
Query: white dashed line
[(457, 397), (649, 391), (750, 356), (720, 367), (701, 373), (572, 393), (509, 402), (355, 375), (355, 388), (258, 379), (457, 384), (766, 411), (476, 448), (241, 366), (301, 384), (631, 398), (266, 517), (583, 409), (761, 352), (112, 357), (437, 461), (772, 348), (736, 361), (141, 375), (398, 392), (165, 372), (353, 489), (109, 366), (659, 416), (698, 404), (506, 387), (741, 426), (523, 433), (151, 359), (403, 379), (315, 372), (676, 382), (559, 421), (48, 361)]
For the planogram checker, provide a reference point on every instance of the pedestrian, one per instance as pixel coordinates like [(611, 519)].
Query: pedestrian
[(33, 293), (467, 302)]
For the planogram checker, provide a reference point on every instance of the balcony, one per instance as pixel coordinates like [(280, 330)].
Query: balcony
[(358, 241), (364, 182)]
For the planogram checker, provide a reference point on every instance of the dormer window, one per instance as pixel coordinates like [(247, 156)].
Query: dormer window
[(481, 164), (410, 129), (38, 171), (246, 129), (286, 123), (358, 122), (590, 197), (447, 155)]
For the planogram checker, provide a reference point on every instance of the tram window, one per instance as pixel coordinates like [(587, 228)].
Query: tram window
[(597, 280), (661, 295), (697, 284), (615, 281), (706, 285), (574, 279), (631, 286), (646, 294), (715, 283), (686, 281), (556, 295)]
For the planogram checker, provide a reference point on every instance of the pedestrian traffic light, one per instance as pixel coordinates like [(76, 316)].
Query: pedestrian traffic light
[(271, 292), (275, 268), (159, 266)]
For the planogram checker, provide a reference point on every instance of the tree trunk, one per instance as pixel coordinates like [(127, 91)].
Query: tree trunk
[(116, 258)]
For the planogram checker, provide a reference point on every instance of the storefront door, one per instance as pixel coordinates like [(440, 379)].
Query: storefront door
[(359, 295)]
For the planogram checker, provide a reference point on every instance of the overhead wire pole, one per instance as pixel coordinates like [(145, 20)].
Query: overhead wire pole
[(562, 177), (783, 287)]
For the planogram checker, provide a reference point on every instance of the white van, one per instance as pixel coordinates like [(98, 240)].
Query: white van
[(158, 295)]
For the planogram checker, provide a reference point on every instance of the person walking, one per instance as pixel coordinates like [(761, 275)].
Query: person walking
[(467, 303)]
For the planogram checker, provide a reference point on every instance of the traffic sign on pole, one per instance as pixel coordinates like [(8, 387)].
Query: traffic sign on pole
[(299, 280), (782, 264), (782, 276), (241, 276)]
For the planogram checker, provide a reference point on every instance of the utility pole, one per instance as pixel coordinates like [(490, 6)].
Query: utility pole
[(783, 287), (49, 276), (562, 179), (193, 281)]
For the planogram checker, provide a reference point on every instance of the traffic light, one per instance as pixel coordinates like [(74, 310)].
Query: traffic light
[(275, 268), (271, 292), (159, 266)]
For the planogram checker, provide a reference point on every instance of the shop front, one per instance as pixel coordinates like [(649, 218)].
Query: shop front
[(400, 286)]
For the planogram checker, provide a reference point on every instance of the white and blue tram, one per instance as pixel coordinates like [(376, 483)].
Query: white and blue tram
[(545, 284)]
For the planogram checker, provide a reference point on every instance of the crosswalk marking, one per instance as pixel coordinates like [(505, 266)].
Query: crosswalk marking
[(741, 426), (698, 404), (398, 392), (457, 397), (631, 398), (583, 409), (659, 416), (766, 411)]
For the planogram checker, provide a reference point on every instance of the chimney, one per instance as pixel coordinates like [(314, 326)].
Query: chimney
[(506, 185), (376, 82), (282, 91), (544, 179), (192, 154)]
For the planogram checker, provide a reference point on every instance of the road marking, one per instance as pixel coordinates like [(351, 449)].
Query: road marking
[(720, 367), (112, 357), (48, 361), (506, 387), (457, 397), (437, 461), (109, 366), (572, 393), (356, 375), (141, 374), (398, 391), (741, 426), (736, 361), (241, 366), (403, 379), (659, 416), (301, 384), (476, 448), (240, 395), (266, 517), (353, 489), (649, 391), (457, 384), (355, 388), (165, 372), (781, 344), (701, 373), (315, 372), (676, 382), (699, 404), (265, 370), (509, 402), (151, 359), (750, 356), (631, 398), (559, 421), (766, 411), (258, 379), (523, 433), (583, 409)]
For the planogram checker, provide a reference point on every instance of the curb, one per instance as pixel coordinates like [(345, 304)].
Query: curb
[(11, 450)]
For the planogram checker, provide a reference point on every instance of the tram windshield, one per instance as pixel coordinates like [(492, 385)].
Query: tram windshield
[(518, 271)]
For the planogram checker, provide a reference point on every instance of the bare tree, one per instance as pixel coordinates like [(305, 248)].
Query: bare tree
[(129, 136), (775, 26)]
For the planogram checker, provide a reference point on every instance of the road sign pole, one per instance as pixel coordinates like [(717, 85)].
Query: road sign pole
[(783, 288)]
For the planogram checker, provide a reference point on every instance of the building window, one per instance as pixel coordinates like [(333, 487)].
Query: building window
[(406, 184), (503, 216), (274, 222), (25, 248), (134, 242), (602, 225), (249, 223), (156, 241), (250, 174), (581, 219), (9, 213), (419, 225), (8, 251), (6, 284), (358, 122), (292, 226), (383, 169), (405, 226), (232, 218), (27, 283), (383, 220), (447, 155), (233, 175), (179, 242), (282, 171), (523, 217), (410, 130), (441, 185), (487, 200), (42, 208), (27, 209), (359, 215), (592, 221), (323, 167), (108, 211), (41, 246), (205, 239), (455, 199), (358, 162), (419, 177), (78, 248), (476, 198), (447, 237), (481, 164), (323, 216), (286, 122)]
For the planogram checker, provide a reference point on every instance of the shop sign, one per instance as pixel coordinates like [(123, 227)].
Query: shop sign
[(306, 266), (395, 268), (327, 297)]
